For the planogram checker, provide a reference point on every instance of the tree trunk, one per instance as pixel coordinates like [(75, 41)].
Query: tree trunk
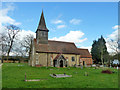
[(9, 49), (2, 59), (102, 57)]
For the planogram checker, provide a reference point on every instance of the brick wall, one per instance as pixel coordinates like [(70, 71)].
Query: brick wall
[(88, 61)]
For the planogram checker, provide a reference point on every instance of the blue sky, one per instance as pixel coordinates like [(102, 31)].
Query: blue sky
[(92, 19)]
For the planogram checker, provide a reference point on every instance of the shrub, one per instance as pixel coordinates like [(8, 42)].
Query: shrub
[(114, 65), (106, 71)]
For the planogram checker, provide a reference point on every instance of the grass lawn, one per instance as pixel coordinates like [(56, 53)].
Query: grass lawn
[(13, 76)]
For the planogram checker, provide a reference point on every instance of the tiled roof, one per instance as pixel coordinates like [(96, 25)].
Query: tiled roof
[(57, 47), (84, 52), (61, 47)]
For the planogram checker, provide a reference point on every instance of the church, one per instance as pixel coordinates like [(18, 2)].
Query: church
[(52, 53)]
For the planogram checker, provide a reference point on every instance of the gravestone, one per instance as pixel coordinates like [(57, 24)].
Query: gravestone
[(86, 74), (54, 74), (60, 75), (81, 67)]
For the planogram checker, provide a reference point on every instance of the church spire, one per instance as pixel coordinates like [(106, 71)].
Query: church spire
[(42, 31), (42, 24)]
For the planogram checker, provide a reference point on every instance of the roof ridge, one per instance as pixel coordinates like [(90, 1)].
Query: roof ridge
[(82, 49), (61, 41)]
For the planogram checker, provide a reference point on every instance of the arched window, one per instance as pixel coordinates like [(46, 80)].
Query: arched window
[(73, 58)]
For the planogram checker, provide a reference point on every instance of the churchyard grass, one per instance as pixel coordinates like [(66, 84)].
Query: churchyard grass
[(13, 76)]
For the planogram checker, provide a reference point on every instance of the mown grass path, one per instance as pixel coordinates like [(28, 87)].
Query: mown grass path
[(13, 76)]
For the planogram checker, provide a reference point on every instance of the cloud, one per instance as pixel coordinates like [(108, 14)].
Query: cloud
[(116, 27), (75, 21), (61, 26), (114, 37), (5, 19), (57, 21), (24, 33), (72, 36)]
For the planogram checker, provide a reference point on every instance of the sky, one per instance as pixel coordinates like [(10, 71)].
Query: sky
[(79, 22)]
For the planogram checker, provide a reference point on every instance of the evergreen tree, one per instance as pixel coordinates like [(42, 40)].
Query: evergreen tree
[(99, 51)]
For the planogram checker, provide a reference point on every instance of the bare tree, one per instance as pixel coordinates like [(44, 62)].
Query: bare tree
[(12, 32), (114, 46), (3, 45), (27, 42)]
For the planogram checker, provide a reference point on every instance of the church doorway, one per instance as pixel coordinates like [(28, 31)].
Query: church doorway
[(83, 63), (61, 63), (55, 63)]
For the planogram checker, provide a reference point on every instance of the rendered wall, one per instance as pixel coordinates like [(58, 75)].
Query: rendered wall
[(41, 58), (69, 58), (32, 55), (46, 59)]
